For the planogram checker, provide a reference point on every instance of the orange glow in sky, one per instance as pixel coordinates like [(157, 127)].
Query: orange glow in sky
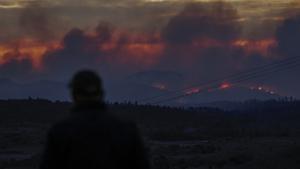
[(143, 51), (262, 46), (26, 49)]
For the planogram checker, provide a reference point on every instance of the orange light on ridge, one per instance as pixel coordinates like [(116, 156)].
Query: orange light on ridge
[(159, 86), (192, 91), (225, 86)]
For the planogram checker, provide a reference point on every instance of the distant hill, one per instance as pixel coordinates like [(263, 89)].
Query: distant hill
[(52, 90), (225, 98), (135, 88)]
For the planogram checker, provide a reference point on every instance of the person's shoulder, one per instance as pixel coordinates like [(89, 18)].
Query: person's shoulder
[(63, 126), (73, 123), (121, 124)]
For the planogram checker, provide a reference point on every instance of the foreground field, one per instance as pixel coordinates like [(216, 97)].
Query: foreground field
[(175, 138), (21, 148)]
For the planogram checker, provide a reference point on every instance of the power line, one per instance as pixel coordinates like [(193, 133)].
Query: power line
[(235, 83), (242, 75), (232, 76)]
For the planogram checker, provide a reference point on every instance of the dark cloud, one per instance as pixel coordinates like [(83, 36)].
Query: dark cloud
[(79, 50), (197, 43), (212, 26), (16, 69), (78, 40), (106, 48), (288, 36), (1, 35), (203, 20), (37, 21)]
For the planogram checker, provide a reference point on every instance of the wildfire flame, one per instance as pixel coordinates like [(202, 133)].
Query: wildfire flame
[(225, 85), (159, 86), (264, 88), (192, 91)]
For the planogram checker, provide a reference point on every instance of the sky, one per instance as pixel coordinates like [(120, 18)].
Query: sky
[(164, 44)]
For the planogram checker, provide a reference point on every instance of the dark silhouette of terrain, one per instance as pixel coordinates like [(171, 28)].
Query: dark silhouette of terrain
[(276, 115), (256, 135)]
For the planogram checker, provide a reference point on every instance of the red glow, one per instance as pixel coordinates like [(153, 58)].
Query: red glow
[(192, 91), (225, 86), (143, 53), (130, 48), (139, 48), (207, 43), (264, 88), (26, 49), (262, 47), (159, 86)]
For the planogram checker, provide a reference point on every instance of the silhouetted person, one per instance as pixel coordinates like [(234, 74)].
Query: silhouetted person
[(91, 138)]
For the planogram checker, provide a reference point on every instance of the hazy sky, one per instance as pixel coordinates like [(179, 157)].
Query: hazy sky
[(200, 39)]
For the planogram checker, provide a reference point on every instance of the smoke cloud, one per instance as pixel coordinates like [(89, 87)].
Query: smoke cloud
[(204, 41), (38, 22), (288, 37), (203, 20)]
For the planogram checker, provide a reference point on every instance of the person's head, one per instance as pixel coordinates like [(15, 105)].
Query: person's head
[(86, 86)]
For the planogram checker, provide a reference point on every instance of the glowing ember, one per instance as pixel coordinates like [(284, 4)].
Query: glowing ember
[(265, 89), (224, 86), (159, 86), (192, 91)]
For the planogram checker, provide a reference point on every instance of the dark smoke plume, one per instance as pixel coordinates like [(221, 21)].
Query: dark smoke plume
[(38, 21), (203, 20), (288, 37)]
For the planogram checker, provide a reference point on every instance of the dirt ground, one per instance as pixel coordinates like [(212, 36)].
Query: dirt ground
[(21, 146)]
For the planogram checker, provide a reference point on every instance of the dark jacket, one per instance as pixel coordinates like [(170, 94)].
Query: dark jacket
[(91, 138)]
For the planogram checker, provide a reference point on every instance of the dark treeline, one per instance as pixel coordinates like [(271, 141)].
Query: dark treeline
[(263, 134), (252, 119)]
